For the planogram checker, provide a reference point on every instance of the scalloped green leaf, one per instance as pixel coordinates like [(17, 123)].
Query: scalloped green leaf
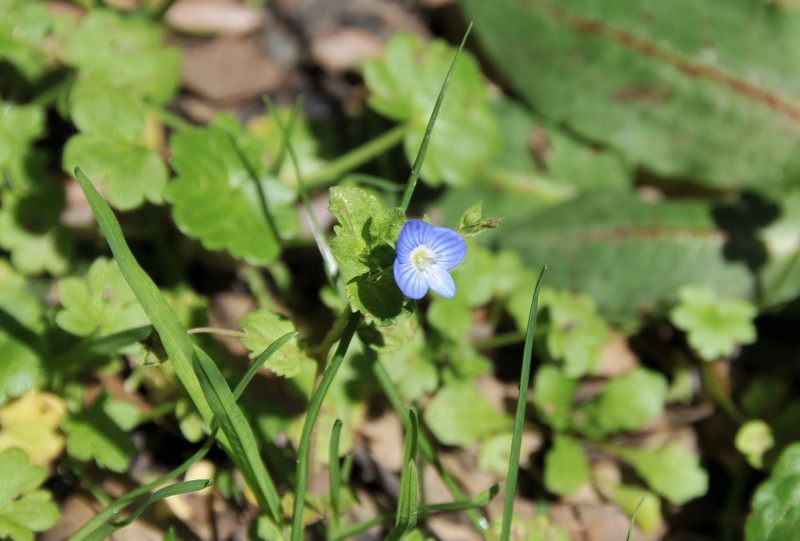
[(404, 86), (576, 334), (216, 199), (266, 327), (24, 508), (21, 324), (714, 327), (626, 403), (95, 435), (128, 173), (363, 247), (99, 304), (23, 27), (553, 393), (460, 415), (672, 471), (402, 350), (107, 110), (776, 509), (111, 49), (566, 466), (29, 229), (676, 87), (20, 125)]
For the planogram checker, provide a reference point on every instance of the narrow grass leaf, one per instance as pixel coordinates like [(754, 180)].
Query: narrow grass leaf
[(99, 520), (480, 500), (173, 335), (335, 474), (184, 487), (633, 519), (408, 502), (259, 362), (423, 147), (232, 421), (519, 418), (303, 448)]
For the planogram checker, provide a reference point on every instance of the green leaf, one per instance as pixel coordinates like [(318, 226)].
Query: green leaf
[(628, 255), (123, 52), (566, 466), (29, 229), (94, 435), (21, 324), (363, 247), (753, 439), (217, 200), (20, 126), (129, 173), (107, 110), (576, 334), (451, 317), (626, 403), (23, 27), (402, 350), (24, 508), (715, 327), (269, 326), (776, 513), (553, 393), (671, 471), (459, 415), (100, 304), (404, 86), (676, 87)]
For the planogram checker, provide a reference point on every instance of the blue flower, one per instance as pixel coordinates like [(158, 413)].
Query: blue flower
[(425, 254)]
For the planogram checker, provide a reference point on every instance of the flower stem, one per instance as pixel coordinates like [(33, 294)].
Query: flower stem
[(358, 156), (301, 478)]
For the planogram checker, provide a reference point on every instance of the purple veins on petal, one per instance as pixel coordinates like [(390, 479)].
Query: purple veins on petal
[(425, 254)]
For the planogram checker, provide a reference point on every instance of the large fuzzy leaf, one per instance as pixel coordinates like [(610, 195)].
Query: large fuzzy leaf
[(691, 89)]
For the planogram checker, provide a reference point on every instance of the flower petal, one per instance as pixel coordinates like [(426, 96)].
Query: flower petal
[(449, 247), (441, 282), (410, 280), (413, 233)]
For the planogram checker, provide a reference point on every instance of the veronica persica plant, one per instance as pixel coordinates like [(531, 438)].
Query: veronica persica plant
[(425, 255)]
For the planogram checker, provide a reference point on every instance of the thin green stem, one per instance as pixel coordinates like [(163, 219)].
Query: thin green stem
[(258, 286), (333, 335), (712, 384), (106, 514), (425, 446), (301, 478), (423, 147), (170, 119), (228, 332), (356, 157), (499, 340), (331, 267), (519, 418)]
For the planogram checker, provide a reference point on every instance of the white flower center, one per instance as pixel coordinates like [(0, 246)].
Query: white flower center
[(422, 258)]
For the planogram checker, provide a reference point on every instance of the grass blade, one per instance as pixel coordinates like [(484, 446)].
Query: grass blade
[(423, 147), (173, 335), (633, 518), (184, 487), (303, 449), (335, 475), (519, 418), (232, 421)]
